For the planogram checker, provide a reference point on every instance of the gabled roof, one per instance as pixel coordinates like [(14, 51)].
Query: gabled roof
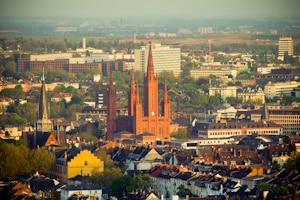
[(41, 183), (138, 153), (230, 184), (184, 175), (82, 187)]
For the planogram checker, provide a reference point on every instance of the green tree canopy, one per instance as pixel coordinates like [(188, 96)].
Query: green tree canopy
[(17, 159), (183, 192), (180, 134)]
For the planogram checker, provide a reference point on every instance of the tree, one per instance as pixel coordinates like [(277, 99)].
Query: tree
[(275, 166), (41, 160), (105, 178), (180, 134), (183, 192), (9, 154), (141, 182), (214, 100), (15, 93), (88, 137), (293, 162), (17, 159), (121, 186)]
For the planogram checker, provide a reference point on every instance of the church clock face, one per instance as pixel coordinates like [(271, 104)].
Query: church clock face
[(152, 113)]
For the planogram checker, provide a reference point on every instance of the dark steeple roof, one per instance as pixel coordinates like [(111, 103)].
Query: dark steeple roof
[(43, 107), (150, 68)]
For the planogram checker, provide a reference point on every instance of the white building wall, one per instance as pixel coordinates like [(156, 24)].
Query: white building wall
[(278, 89), (66, 194), (165, 58)]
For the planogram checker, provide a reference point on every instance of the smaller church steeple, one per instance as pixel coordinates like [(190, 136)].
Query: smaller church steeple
[(111, 108), (44, 124)]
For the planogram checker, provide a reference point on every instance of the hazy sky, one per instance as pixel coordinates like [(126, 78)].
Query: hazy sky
[(148, 8)]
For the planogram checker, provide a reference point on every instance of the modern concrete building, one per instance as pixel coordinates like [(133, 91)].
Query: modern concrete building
[(285, 45), (278, 89), (205, 73), (165, 58), (229, 129)]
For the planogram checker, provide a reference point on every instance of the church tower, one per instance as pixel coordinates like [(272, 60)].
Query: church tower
[(44, 124), (150, 88), (111, 114), (143, 116)]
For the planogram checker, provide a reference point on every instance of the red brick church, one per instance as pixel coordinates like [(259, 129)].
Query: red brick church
[(142, 117)]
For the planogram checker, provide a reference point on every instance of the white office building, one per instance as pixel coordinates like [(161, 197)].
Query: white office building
[(165, 58), (279, 89), (285, 45)]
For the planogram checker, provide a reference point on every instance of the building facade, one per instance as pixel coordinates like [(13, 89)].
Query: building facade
[(164, 58), (285, 46), (75, 162), (142, 117), (278, 89), (223, 92), (252, 94), (205, 73), (229, 129)]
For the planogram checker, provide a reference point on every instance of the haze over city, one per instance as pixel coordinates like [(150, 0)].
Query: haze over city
[(150, 99), (167, 8)]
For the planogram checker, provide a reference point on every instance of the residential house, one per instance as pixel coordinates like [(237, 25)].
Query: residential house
[(142, 159), (57, 97), (12, 131), (90, 102), (89, 191), (143, 195), (73, 162), (4, 102)]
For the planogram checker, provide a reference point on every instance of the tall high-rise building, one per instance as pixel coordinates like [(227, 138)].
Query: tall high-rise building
[(146, 116), (285, 46), (165, 58)]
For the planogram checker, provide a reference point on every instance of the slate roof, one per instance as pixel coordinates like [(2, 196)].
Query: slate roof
[(182, 121), (184, 175), (138, 196), (138, 153), (41, 183), (82, 187)]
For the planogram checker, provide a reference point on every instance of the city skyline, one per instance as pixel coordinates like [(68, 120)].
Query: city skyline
[(167, 8)]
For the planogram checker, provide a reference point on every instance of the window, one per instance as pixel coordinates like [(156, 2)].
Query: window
[(85, 163)]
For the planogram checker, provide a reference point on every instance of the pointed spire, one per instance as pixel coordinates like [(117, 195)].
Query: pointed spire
[(165, 92), (137, 92), (111, 82), (150, 67), (43, 105), (132, 78), (44, 124), (43, 76)]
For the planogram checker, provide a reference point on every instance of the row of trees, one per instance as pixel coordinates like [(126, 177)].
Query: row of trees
[(17, 159)]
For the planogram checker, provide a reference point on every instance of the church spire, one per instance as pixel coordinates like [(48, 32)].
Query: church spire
[(111, 115), (44, 123), (150, 67), (43, 107)]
